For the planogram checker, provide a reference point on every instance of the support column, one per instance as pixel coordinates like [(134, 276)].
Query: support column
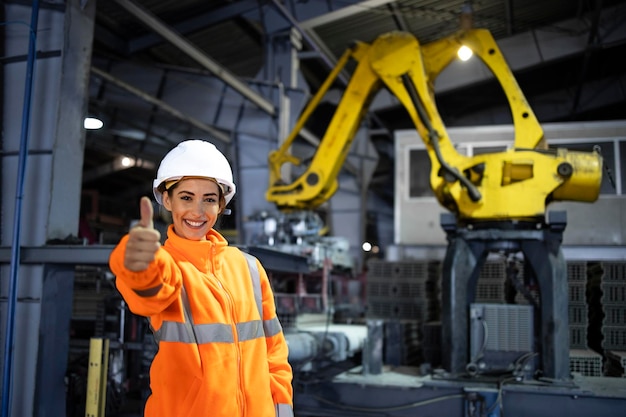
[(550, 269), (69, 139), (52, 188), (460, 271)]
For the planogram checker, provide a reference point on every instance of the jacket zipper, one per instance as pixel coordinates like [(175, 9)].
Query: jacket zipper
[(240, 396)]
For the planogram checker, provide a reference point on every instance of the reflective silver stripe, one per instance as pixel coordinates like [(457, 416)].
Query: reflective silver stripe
[(256, 282), (249, 330), (272, 327), (187, 310), (149, 292), (172, 331), (284, 410), (214, 333)]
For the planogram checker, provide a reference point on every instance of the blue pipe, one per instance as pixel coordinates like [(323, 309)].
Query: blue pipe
[(17, 215)]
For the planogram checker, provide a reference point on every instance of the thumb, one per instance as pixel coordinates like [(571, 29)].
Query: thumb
[(145, 208)]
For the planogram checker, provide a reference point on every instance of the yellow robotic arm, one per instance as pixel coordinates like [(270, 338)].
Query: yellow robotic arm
[(511, 185), (319, 182)]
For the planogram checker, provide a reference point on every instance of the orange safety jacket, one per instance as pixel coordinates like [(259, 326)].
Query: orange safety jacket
[(217, 356)]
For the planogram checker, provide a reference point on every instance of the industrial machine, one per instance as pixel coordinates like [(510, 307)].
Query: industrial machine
[(513, 185), (497, 203), (303, 233)]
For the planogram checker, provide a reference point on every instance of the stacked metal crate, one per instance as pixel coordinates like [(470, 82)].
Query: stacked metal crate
[(585, 362), (405, 294), (402, 343), (613, 287), (582, 359), (490, 287), (92, 293), (577, 309), (406, 290), (615, 364)]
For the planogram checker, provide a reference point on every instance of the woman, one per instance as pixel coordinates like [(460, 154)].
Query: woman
[(216, 356)]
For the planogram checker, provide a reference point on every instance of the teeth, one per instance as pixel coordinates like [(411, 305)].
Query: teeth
[(194, 224)]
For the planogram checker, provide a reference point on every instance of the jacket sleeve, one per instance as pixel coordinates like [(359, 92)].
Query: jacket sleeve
[(146, 292), (277, 350)]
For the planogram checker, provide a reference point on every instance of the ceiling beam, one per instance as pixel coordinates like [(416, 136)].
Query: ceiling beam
[(217, 134), (344, 12), (198, 22), (198, 55), (396, 15)]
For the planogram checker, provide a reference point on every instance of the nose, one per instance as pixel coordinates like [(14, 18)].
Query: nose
[(197, 209)]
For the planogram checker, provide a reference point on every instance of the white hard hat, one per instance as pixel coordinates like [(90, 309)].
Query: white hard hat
[(195, 158)]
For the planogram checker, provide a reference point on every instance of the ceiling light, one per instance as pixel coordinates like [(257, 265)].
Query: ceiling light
[(126, 161), (464, 53), (92, 123)]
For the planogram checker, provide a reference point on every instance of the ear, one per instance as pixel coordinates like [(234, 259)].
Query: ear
[(167, 203)]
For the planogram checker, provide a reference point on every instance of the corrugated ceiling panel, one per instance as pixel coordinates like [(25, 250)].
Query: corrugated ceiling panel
[(225, 43)]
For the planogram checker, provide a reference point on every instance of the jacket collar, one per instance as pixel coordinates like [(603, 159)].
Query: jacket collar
[(200, 253)]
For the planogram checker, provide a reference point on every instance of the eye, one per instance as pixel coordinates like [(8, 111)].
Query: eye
[(210, 200), (185, 197)]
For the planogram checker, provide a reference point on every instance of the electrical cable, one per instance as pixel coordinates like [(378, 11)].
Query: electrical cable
[(498, 401), (512, 273), (520, 363), (473, 192)]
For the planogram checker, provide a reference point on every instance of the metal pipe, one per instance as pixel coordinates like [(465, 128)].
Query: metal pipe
[(303, 347), (17, 215)]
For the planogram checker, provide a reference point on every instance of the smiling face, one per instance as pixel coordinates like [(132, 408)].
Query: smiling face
[(195, 205)]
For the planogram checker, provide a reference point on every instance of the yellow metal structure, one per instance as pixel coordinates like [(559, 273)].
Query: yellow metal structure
[(512, 185), (97, 377)]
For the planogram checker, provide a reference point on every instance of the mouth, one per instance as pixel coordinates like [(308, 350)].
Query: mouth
[(195, 224)]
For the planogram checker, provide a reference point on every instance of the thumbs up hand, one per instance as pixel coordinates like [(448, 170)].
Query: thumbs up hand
[(143, 240)]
